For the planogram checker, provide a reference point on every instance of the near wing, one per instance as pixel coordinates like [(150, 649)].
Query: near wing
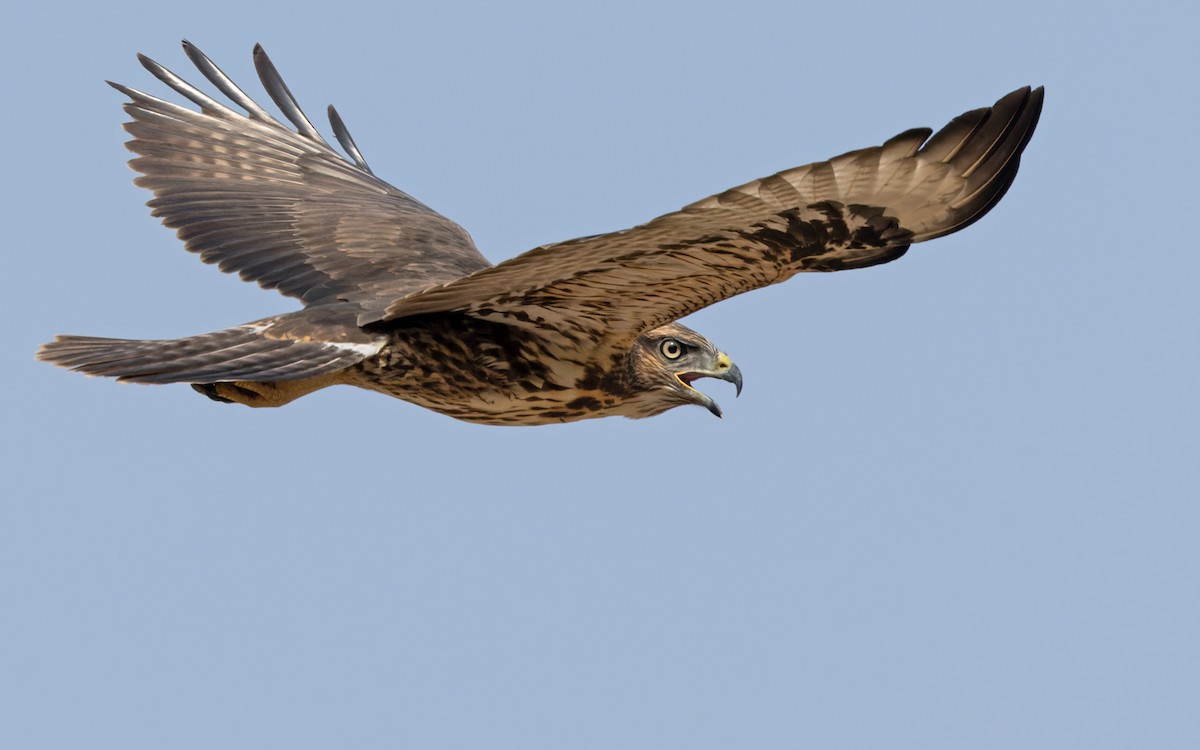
[(856, 210), (281, 207)]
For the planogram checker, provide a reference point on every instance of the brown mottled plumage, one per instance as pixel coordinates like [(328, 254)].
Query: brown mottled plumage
[(398, 300)]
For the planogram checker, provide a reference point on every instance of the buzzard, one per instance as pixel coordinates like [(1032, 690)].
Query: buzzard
[(398, 300)]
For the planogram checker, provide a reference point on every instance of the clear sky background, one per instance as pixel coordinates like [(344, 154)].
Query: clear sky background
[(957, 505)]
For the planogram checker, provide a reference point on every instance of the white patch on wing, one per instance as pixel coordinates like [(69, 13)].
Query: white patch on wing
[(366, 350)]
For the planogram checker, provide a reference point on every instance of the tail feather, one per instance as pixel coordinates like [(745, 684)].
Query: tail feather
[(241, 353)]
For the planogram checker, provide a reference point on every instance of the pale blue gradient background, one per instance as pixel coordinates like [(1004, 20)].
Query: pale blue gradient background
[(957, 505)]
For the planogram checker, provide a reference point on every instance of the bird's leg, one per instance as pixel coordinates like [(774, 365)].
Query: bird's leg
[(259, 394)]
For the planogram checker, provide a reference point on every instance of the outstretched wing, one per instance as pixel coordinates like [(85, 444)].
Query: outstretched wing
[(280, 206), (853, 211)]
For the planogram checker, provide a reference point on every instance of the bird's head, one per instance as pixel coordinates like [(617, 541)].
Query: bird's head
[(665, 361)]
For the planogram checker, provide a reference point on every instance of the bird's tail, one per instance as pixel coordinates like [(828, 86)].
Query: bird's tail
[(235, 354)]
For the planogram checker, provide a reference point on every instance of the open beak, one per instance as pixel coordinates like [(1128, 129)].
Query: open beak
[(724, 369)]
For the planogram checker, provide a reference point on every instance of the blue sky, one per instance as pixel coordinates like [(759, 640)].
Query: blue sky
[(956, 505)]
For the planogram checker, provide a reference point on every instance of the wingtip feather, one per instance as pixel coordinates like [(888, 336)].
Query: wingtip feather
[(279, 92)]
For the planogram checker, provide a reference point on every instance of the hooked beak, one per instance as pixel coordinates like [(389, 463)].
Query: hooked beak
[(724, 369)]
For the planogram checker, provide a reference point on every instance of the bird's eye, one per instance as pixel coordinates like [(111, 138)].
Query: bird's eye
[(672, 349)]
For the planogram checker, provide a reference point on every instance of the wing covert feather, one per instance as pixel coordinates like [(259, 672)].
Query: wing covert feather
[(856, 210)]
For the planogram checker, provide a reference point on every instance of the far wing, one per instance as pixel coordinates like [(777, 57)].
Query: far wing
[(280, 206), (856, 210)]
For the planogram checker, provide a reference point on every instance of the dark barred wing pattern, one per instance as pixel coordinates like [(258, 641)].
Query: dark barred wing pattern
[(859, 209), (280, 206)]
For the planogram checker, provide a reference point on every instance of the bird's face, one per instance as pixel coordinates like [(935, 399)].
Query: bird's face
[(664, 363)]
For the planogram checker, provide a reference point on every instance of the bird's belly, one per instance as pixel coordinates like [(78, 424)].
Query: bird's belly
[(494, 406), (483, 389)]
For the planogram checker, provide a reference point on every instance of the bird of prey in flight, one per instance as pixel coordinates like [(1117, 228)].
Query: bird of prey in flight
[(398, 300)]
